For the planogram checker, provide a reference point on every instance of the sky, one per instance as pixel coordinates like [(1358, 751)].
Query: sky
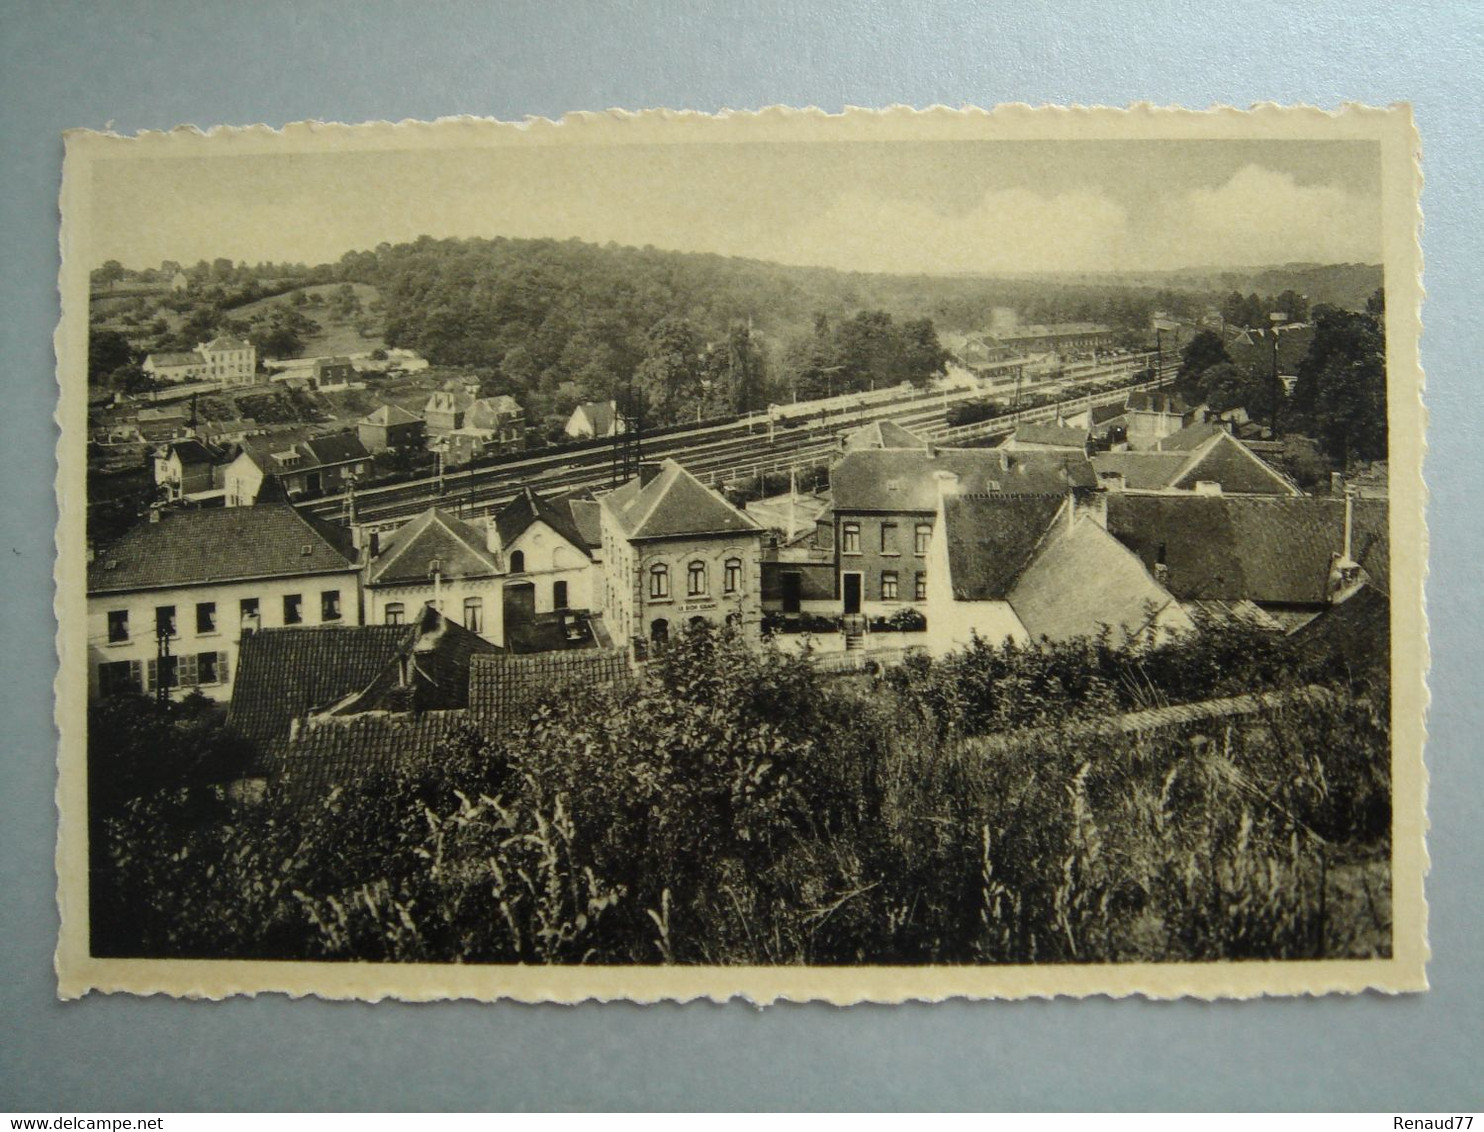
[(914, 207)]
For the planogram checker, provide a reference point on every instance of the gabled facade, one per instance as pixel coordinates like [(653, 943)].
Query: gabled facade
[(436, 559), (1200, 459), (189, 469), (445, 412), (675, 553), (595, 419), (548, 564), (317, 466), (391, 426), (884, 504), (201, 580), (1038, 568), (1149, 417)]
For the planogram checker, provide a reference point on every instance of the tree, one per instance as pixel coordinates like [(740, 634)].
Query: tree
[(669, 376), (1202, 352), (1341, 388), (110, 273), (923, 356), (107, 351)]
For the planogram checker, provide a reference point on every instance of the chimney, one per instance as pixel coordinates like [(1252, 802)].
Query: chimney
[(1161, 568), (1349, 522), (373, 543), (1337, 483), (1207, 487), (932, 451)]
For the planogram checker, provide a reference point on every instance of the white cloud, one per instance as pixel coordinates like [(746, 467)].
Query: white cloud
[(1261, 216), (1007, 231)]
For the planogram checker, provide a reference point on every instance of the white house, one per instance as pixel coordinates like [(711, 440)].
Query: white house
[(229, 360), (436, 559), (170, 600), (1028, 568), (595, 419), (548, 563)]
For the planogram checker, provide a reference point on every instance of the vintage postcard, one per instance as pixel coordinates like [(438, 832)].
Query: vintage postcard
[(867, 557)]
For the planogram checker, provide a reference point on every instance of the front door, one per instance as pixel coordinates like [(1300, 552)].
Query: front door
[(793, 590), (852, 584), (520, 603)]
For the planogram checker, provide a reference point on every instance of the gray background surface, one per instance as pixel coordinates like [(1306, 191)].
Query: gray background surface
[(140, 65)]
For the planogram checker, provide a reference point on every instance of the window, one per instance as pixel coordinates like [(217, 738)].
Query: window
[(695, 579), (247, 612), (888, 585), (889, 538), (211, 668), (164, 620), (920, 539), (559, 595), (293, 609), (119, 677), (206, 617), (919, 588), (162, 673), (659, 631), (329, 605), (474, 614), (659, 582), (850, 538), (732, 575), (118, 625), (517, 561), (395, 613)]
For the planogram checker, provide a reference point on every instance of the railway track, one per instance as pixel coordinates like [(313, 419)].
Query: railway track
[(716, 453)]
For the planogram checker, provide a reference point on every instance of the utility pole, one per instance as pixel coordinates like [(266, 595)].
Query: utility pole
[(1276, 318), (163, 668)]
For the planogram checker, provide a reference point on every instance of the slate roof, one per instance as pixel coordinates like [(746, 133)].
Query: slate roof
[(491, 412), (1105, 414), (192, 451), (343, 752), (1051, 435), (225, 342), (273, 458), (904, 480), (186, 548), (336, 448), (407, 554), (1156, 401), (283, 673), (1080, 579), (1191, 437), (600, 416), (883, 434), (673, 504), (587, 518), (517, 516), (1205, 452), (175, 358), (991, 539), (1141, 471), (1356, 631), (502, 687), (390, 415), (1263, 549)]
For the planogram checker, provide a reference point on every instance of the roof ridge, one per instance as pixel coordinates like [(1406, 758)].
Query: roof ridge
[(668, 467), (382, 565)]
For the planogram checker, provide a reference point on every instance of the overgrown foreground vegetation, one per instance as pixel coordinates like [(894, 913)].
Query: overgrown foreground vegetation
[(736, 806)]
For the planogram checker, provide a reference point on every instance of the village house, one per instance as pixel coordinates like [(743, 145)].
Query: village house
[(332, 373), (1106, 423), (390, 426), (435, 559), (549, 573), (881, 434), (675, 554), (595, 420), (174, 366), (884, 503), (1152, 415), (191, 470), (319, 465), (490, 425), (1037, 567), (1048, 436), (1272, 561), (171, 599), (798, 573), (229, 360), (1202, 458)]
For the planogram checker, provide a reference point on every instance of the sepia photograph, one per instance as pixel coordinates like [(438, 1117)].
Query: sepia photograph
[(863, 557)]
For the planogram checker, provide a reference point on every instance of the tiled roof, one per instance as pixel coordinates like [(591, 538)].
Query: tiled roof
[(1263, 549), (192, 451), (447, 401), (407, 554), (336, 448), (1079, 579), (1105, 414), (429, 673), (1141, 471), (1357, 630), (274, 457), (673, 503), (904, 480), (344, 752), (491, 412), (390, 415), (1238, 470), (991, 539), (284, 673), (185, 548), (1051, 435), (883, 434), (516, 517), (1191, 437), (175, 359), (502, 687)]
